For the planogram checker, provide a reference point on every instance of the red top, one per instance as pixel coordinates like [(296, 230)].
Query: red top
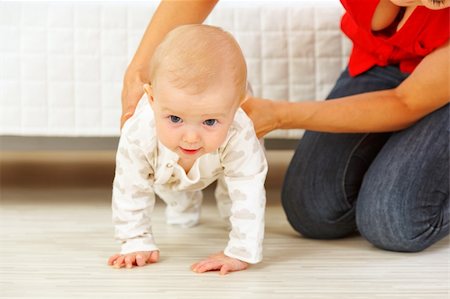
[(424, 31)]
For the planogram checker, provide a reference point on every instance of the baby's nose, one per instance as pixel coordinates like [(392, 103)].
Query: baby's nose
[(191, 136)]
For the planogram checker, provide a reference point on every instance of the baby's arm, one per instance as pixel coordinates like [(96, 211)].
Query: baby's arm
[(245, 169), (133, 202)]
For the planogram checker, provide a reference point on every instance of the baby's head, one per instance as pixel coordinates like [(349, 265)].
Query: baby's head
[(195, 57), (199, 79)]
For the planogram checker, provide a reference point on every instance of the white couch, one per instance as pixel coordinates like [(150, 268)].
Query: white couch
[(61, 63)]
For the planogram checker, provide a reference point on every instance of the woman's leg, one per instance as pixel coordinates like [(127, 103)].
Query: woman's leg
[(403, 204), (326, 172)]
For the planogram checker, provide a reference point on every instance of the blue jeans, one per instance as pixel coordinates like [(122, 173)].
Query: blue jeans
[(391, 187)]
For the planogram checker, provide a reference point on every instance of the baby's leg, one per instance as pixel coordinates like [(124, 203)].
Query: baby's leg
[(223, 199), (183, 208)]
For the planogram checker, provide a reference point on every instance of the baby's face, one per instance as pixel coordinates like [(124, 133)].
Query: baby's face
[(193, 124)]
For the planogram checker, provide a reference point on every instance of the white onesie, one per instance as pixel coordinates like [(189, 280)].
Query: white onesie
[(144, 167)]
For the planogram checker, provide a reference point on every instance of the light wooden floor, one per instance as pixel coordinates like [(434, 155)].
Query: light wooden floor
[(56, 235)]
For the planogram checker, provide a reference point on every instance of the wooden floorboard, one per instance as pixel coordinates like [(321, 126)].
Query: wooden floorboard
[(56, 239)]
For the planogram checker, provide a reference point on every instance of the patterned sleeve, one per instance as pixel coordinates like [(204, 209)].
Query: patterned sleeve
[(245, 169), (133, 198)]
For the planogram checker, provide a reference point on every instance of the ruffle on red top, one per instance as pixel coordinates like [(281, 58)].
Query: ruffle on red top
[(424, 31)]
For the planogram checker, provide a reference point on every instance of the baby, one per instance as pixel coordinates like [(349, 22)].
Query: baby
[(190, 133)]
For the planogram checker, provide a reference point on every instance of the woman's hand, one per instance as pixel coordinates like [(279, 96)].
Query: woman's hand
[(168, 15), (132, 92), (264, 114), (219, 262)]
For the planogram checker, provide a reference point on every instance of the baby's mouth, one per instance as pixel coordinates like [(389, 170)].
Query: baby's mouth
[(190, 151)]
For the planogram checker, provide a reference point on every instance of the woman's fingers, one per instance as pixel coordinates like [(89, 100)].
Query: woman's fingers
[(131, 94), (125, 117)]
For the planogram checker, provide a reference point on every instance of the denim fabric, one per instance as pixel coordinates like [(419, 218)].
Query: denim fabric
[(391, 187)]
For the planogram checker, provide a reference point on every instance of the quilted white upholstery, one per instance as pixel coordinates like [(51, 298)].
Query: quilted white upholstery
[(61, 63)]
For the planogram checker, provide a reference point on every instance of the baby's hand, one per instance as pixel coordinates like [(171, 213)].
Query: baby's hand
[(220, 262), (129, 260)]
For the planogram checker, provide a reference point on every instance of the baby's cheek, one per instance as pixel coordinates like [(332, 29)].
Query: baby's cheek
[(215, 141), (168, 138)]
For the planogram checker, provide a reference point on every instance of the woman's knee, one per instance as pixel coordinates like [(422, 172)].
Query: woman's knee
[(403, 203), (388, 227), (382, 236), (310, 213), (313, 196)]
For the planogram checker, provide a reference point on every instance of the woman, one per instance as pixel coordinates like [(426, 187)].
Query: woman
[(375, 158)]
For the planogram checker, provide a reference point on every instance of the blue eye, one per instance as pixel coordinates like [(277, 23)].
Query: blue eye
[(175, 119), (210, 122)]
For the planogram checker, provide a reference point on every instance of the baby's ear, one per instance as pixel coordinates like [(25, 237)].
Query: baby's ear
[(149, 91)]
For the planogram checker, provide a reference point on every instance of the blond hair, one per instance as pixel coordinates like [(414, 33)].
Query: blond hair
[(193, 56)]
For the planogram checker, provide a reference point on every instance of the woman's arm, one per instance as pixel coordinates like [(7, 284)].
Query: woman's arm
[(424, 91), (168, 15)]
